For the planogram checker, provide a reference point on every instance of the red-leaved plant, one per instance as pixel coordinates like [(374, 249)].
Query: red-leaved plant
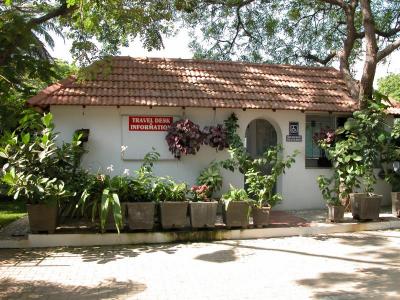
[(184, 137), (216, 137), (326, 136), (199, 193)]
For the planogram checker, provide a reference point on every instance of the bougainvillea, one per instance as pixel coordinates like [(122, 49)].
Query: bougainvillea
[(216, 137), (200, 193), (184, 137)]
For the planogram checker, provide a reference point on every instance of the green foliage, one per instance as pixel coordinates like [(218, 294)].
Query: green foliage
[(358, 146), (261, 185), (330, 189), (235, 194), (390, 86), (212, 178), (280, 31), (35, 168), (165, 189), (11, 211)]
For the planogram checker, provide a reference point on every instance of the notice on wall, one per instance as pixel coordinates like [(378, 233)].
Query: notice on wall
[(294, 132), (140, 134)]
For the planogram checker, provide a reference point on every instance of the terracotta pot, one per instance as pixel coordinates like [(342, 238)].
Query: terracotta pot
[(203, 214), (140, 215), (42, 217), (110, 223), (260, 216), (335, 213), (396, 204), (173, 214), (365, 206), (236, 214)]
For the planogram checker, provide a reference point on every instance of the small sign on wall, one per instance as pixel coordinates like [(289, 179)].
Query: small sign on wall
[(294, 130)]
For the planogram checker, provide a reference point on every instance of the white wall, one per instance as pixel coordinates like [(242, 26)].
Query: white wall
[(298, 186)]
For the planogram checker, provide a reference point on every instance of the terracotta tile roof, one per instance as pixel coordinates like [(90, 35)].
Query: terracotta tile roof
[(200, 83)]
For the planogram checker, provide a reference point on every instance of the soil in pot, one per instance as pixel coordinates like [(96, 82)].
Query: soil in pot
[(236, 214), (140, 215), (365, 206), (203, 214), (335, 213), (42, 217), (173, 214), (396, 204), (260, 216)]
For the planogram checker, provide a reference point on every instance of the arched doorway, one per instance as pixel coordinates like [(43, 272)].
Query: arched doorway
[(260, 135)]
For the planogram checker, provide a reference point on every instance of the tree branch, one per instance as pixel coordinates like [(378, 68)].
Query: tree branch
[(388, 50), (336, 2), (322, 61), (63, 9)]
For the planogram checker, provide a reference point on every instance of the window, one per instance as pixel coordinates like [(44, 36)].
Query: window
[(315, 156)]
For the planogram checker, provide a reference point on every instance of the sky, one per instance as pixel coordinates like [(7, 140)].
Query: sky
[(177, 47)]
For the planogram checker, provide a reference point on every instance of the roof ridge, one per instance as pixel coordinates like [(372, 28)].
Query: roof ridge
[(236, 62)]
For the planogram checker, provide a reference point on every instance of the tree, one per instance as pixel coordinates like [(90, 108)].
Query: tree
[(300, 32), (96, 28), (390, 86)]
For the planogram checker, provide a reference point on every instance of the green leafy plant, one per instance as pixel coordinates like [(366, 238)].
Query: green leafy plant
[(260, 184), (35, 168), (358, 146), (329, 187), (101, 196), (165, 189), (212, 178), (235, 194)]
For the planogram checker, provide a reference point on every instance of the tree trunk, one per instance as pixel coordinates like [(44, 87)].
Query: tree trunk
[(371, 57)]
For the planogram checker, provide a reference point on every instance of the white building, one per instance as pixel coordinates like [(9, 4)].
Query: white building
[(267, 99)]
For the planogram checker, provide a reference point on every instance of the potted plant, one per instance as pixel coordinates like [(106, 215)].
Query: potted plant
[(261, 184), (236, 208), (212, 178), (173, 204), (184, 137), (141, 203), (101, 196), (356, 149), (203, 211), (330, 192), (216, 137), (34, 168)]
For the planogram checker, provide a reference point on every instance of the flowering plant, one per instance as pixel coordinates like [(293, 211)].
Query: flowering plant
[(200, 193), (184, 137), (216, 137), (325, 136)]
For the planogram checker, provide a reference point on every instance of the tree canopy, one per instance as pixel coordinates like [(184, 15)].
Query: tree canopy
[(298, 32), (390, 86)]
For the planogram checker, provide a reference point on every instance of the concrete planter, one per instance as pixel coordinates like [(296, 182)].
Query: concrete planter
[(396, 204), (203, 214), (236, 214), (42, 217), (365, 206), (335, 213), (260, 216), (110, 223), (140, 215), (173, 214)]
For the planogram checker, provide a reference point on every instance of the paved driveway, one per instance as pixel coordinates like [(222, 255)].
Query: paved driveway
[(340, 266)]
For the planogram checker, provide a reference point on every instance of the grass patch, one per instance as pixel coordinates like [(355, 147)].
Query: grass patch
[(11, 211)]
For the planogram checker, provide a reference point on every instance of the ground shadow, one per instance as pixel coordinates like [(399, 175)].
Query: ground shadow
[(220, 256), (368, 283), (100, 255), (38, 289), (356, 239)]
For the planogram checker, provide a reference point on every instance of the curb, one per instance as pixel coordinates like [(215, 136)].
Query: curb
[(108, 239)]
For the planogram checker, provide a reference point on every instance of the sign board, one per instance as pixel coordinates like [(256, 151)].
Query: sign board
[(294, 130), (149, 123), (140, 134)]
